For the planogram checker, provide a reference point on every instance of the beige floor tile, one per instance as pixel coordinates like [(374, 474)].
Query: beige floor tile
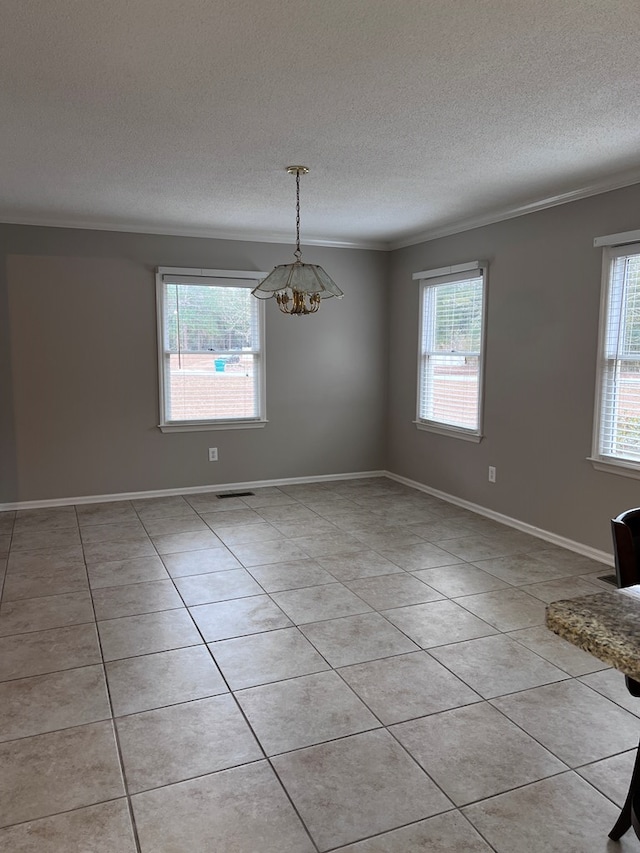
[(278, 577), (238, 617), (7, 520), (445, 833), (304, 711), (415, 557), (243, 534), (40, 583), (58, 700), (407, 686), (147, 633), (243, 809), (559, 815), (357, 786), (364, 564), (611, 683), (506, 609), (355, 639), (478, 547), (181, 524), (396, 590), (110, 512), (43, 559), (132, 599), (38, 520), (460, 579), (572, 721), (5, 542), (263, 553), (572, 563), (311, 527), (496, 665), (33, 540), (390, 537), (561, 588), (437, 623), (439, 529), (475, 752), (184, 741), (557, 651), (521, 569), (55, 772), (353, 521), (23, 655), (177, 543), (288, 514), (104, 828), (119, 531), (120, 572), (164, 507), (262, 658), (231, 517), (217, 559), (107, 552), (611, 776), (319, 602), (38, 614), (164, 678), (328, 544), (217, 586)]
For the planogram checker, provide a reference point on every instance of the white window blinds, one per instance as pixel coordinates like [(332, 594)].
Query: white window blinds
[(211, 350), (451, 343), (618, 427)]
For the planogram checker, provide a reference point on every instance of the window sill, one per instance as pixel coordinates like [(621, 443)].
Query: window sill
[(452, 432), (210, 425), (624, 469)]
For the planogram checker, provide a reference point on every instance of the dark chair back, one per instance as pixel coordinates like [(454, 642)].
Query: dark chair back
[(626, 550)]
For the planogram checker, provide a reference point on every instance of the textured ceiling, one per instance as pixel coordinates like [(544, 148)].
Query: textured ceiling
[(416, 117)]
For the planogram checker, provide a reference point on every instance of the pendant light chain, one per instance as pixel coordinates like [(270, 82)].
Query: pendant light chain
[(298, 252)]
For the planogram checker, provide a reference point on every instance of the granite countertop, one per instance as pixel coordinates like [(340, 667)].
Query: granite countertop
[(606, 624)]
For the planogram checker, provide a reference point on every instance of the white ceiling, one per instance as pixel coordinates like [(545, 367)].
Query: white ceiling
[(416, 117)]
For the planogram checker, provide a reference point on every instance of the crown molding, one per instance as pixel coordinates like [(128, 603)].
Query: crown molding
[(513, 212), (381, 245), (200, 233)]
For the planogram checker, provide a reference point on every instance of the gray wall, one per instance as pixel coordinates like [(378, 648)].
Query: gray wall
[(78, 368), (544, 291)]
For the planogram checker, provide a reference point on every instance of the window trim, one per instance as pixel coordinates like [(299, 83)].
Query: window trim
[(198, 275), (601, 461), (443, 275)]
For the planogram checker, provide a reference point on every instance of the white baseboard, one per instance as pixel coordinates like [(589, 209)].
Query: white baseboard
[(554, 538), (187, 490)]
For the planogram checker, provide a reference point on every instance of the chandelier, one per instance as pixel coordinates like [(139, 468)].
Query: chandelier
[(297, 287)]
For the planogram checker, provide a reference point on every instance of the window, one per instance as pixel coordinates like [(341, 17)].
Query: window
[(210, 332), (452, 301), (617, 420)]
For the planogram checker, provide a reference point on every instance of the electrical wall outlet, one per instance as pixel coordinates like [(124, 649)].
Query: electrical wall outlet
[(213, 454), (492, 474)]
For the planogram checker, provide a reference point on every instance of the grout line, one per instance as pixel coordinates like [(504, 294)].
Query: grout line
[(114, 728)]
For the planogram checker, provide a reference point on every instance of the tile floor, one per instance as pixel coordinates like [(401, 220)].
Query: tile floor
[(350, 666)]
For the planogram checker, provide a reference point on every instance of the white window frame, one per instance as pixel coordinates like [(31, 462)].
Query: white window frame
[(429, 279), (219, 278), (615, 246)]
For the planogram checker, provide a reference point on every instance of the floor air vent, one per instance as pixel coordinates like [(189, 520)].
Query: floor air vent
[(608, 579), (235, 494)]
